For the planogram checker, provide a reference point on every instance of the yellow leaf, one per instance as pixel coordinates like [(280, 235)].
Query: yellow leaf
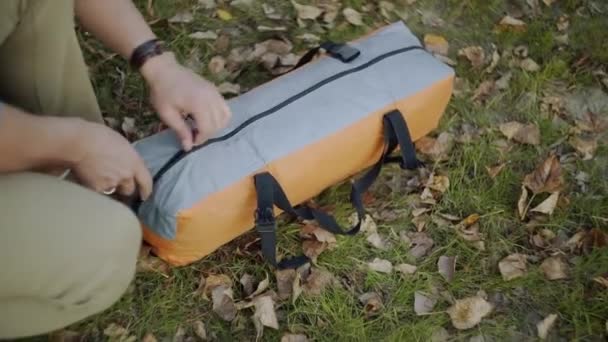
[(224, 15), (437, 44)]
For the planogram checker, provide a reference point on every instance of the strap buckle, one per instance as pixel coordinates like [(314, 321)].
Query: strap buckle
[(343, 52), (264, 220)]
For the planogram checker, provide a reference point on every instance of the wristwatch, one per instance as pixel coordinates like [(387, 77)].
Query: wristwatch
[(145, 51)]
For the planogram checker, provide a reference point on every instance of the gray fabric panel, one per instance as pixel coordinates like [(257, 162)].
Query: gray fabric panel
[(346, 100)]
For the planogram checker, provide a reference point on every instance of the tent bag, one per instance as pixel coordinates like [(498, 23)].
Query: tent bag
[(290, 139)]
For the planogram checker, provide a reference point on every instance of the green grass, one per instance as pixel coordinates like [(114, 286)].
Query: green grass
[(159, 305)]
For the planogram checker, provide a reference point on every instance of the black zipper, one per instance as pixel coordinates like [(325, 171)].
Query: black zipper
[(182, 154)]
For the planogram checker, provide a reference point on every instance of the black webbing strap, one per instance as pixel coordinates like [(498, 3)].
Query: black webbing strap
[(270, 193), (342, 52)]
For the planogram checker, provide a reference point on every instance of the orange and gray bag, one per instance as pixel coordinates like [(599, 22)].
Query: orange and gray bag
[(291, 138)]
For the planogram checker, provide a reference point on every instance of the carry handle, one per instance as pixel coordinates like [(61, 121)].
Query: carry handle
[(270, 193)]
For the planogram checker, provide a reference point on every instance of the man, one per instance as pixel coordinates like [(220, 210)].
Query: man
[(67, 250)]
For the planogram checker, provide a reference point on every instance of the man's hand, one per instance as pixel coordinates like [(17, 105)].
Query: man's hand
[(177, 92), (106, 160)]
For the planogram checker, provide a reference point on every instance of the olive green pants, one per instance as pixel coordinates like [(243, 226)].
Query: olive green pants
[(66, 252)]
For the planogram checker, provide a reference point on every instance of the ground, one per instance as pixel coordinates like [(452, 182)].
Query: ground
[(543, 99)]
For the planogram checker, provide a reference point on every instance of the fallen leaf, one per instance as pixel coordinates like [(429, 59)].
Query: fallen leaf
[(522, 133), (309, 38), (484, 90), (128, 126), (182, 17), (436, 148), (522, 203), (224, 15), (529, 64), (468, 229), (447, 267), (548, 205), (493, 171), (493, 63), (377, 241), (513, 266), (545, 325), (406, 269), (310, 230), (508, 22), (207, 35), (247, 282), (554, 268), (223, 302), (586, 146), (548, 2), (294, 338), (423, 304), (563, 22), (503, 82), (438, 183), (229, 88), (419, 211), (468, 312), (475, 55), (436, 44), (430, 18), (116, 332), (200, 330), (241, 3), (146, 262), (386, 8), (207, 4), (352, 16), (372, 303), (306, 12), (148, 338), (285, 281), (217, 65), (440, 335), (380, 265), (314, 248), (265, 313), (180, 335), (222, 43), (211, 282), (317, 281), (420, 222), (602, 281), (420, 243), (271, 12), (547, 177), (595, 238), (262, 286), (367, 226)]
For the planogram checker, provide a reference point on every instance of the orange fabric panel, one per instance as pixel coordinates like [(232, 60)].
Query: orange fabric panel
[(225, 215)]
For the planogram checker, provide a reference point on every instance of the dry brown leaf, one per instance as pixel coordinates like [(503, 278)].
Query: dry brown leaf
[(602, 280), (419, 211), (508, 22), (207, 35), (468, 312), (265, 313), (529, 64), (247, 281), (310, 231), (420, 244), (180, 335), (493, 63), (200, 330), (525, 134), (468, 229), (503, 82), (546, 178), (549, 2), (595, 238), (372, 303), (543, 327), (430, 18), (223, 302), (420, 222), (440, 335), (386, 9), (317, 281), (212, 281), (377, 241), (423, 304), (563, 22), (314, 248), (306, 12), (436, 44), (554, 268), (271, 12), (475, 54), (522, 203), (217, 65), (406, 269), (548, 205), (586, 146), (592, 122), (447, 267), (183, 17), (484, 90), (438, 183), (285, 282), (229, 88), (352, 16), (436, 148), (149, 263), (493, 171), (148, 338), (380, 265), (294, 338), (262, 286), (513, 266)]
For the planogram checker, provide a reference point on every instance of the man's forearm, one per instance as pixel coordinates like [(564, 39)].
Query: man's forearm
[(31, 142), (117, 23)]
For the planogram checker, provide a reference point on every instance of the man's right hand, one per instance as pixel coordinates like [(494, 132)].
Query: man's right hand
[(106, 160)]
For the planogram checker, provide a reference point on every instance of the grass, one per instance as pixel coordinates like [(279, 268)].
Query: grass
[(159, 305)]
